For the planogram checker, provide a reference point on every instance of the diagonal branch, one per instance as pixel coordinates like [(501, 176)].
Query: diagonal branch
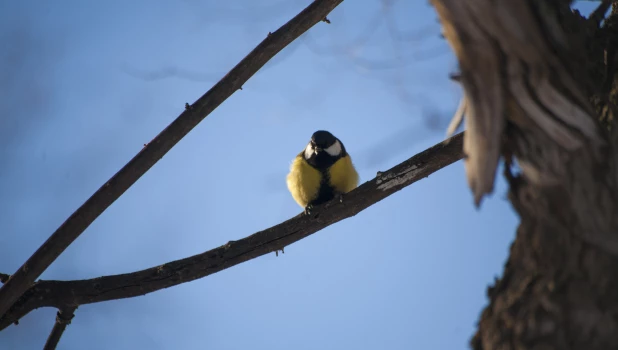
[(63, 319), (63, 294), (25, 276)]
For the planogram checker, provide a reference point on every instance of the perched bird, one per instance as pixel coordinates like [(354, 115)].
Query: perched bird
[(321, 171)]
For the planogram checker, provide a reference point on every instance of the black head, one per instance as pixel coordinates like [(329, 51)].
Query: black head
[(323, 149), (322, 139)]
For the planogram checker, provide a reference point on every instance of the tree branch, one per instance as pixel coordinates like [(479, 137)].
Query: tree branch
[(63, 319), (23, 278), (62, 294)]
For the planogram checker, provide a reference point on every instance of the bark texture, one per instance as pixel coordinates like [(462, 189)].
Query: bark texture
[(539, 85)]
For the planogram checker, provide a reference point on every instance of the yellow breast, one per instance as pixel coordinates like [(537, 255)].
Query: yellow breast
[(303, 181), (343, 175)]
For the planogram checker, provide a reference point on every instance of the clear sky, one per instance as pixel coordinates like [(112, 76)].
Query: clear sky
[(86, 83)]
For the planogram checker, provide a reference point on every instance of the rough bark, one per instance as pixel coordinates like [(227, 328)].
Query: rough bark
[(538, 78)]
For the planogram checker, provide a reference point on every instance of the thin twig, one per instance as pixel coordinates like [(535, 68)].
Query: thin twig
[(63, 319), (25, 276), (457, 118), (59, 293)]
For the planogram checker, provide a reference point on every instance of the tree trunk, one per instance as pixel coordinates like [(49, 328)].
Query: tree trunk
[(539, 84)]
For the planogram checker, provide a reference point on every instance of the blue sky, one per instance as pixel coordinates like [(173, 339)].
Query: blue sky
[(85, 84)]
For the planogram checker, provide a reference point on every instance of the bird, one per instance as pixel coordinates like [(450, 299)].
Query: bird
[(321, 172)]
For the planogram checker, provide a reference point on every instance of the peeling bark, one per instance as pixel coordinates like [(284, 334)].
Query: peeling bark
[(538, 78)]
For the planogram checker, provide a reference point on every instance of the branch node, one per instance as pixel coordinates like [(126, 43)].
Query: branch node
[(325, 19), (63, 319)]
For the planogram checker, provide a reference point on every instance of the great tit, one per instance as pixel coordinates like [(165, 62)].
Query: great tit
[(321, 171)]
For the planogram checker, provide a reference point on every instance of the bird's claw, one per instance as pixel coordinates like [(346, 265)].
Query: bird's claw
[(308, 209), (341, 198), (277, 251)]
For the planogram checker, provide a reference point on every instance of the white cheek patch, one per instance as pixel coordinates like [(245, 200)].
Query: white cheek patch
[(308, 151), (335, 149)]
